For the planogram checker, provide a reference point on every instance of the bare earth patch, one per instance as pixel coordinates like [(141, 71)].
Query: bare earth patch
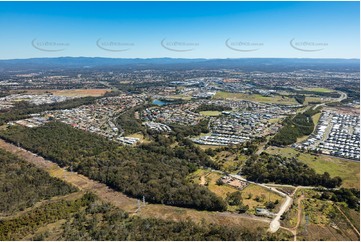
[(80, 92)]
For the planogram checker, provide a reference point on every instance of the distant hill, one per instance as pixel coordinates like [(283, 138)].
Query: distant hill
[(245, 64)]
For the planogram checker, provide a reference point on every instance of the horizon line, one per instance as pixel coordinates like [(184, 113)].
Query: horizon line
[(175, 58)]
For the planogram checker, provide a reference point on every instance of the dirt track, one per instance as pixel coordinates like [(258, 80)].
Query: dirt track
[(348, 221), (299, 215)]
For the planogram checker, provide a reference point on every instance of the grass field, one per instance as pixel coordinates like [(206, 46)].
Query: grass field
[(315, 119), (318, 89), (200, 175), (352, 215), (229, 162), (140, 136), (348, 170), (309, 99), (260, 192), (210, 113), (183, 97), (211, 178), (301, 139), (204, 147), (325, 222), (255, 98), (274, 120)]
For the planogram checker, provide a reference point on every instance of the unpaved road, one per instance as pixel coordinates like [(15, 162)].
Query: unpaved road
[(275, 223), (299, 216), (348, 220), (203, 181)]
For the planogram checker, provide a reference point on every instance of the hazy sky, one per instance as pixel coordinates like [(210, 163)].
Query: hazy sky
[(180, 29)]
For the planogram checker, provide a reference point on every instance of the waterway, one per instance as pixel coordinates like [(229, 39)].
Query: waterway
[(159, 102)]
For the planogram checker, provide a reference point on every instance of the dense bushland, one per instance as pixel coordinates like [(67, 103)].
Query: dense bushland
[(88, 218), (22, 184), (300, 125), (153, 171), (270, 168)]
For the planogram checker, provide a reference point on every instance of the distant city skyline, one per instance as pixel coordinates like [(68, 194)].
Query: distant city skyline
[(180, 29)]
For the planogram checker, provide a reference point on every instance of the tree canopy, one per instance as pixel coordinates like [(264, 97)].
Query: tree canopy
[(155, 172)]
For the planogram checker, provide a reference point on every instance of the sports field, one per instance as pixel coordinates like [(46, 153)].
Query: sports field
[(210, 113), (176, 97), (318, 89)]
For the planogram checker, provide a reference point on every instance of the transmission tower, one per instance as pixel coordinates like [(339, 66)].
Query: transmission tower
[(138, 203)]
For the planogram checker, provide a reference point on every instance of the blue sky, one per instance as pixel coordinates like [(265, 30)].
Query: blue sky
[(180, 29)]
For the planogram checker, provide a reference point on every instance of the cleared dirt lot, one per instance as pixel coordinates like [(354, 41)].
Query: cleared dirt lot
[(81, 92), (72, 92)]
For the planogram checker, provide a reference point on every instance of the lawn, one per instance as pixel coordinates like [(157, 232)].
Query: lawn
[(210, 113), (348, 170), (255, 97)]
